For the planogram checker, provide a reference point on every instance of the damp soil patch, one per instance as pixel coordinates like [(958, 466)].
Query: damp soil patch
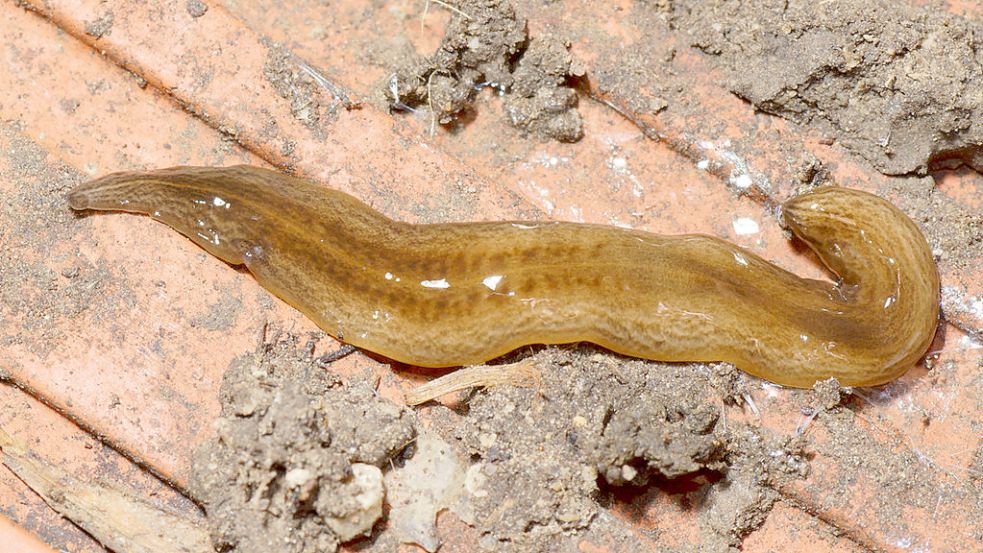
[(295, 462), (898, 85), (316, 462), (599, 428), (487, 45), (314, 100)]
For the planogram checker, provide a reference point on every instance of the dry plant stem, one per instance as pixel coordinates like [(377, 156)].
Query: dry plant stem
[(433, 114), (449, 7), (339, 94), (523, 373), (114, 517), (426, 10)]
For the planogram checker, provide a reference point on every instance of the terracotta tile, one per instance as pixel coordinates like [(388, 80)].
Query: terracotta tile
[(922, 428), (791, 529), (54, 439), (16, 540), (969, 8), (362, 151), (63, 68), (151, 386), (91, 113)]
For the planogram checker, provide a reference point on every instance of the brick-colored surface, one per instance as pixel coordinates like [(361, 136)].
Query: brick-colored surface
[(56, 440), (17, 540), (142, 372)]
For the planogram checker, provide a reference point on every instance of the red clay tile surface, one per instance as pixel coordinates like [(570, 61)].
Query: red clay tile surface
[(137, 354), (18, 540)]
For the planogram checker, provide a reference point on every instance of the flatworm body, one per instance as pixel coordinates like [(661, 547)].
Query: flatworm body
[(464, 293)]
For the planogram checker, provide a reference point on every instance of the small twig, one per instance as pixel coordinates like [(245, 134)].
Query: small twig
[(433, 114), (115, 516), (523, 373), (336, 91), (394, 89), (423, 16), (344, 351), (451, 8), (807, 422), (746, 396), (426, 10)]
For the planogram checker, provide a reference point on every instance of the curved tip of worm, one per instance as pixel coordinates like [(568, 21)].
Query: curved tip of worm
[(86, 195), (789, 213), (93, 194), (78, 199), (820, 204)]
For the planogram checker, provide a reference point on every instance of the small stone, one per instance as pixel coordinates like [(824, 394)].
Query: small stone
[(196, 8), (368, 479), (487, 439)]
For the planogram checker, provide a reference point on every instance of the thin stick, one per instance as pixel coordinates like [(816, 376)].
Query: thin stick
[(423, 16), (426, 10), (523, 374), (433, 114), (343, 351), (450, 7), (338, 92), (113, 515)]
